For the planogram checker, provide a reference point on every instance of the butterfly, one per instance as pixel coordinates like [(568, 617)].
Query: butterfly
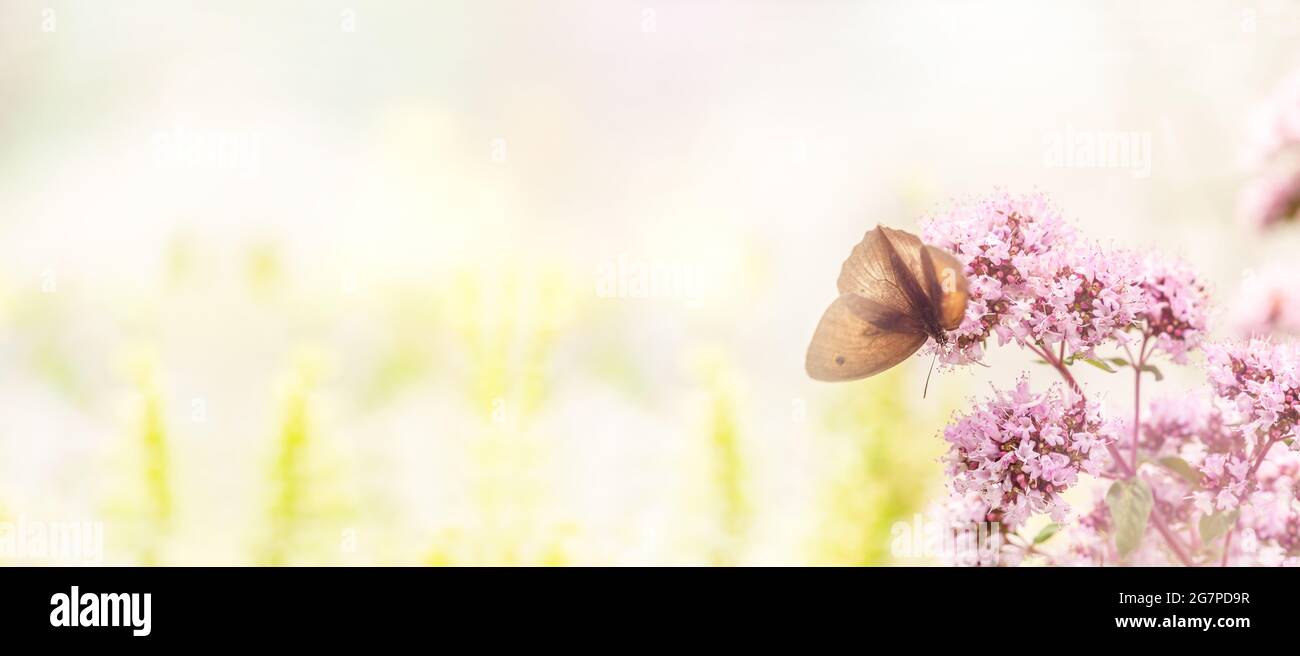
[(895, 293)]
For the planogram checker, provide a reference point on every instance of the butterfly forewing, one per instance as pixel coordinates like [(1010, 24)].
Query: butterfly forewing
[(873, 268), (857, 338)]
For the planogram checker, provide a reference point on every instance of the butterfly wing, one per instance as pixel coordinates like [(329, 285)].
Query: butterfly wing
[(947, 283), (886, 267), (859, 337)]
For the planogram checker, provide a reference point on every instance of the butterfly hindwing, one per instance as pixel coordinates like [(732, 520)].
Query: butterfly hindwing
[(952, 285), (858, 337), (930, 278)]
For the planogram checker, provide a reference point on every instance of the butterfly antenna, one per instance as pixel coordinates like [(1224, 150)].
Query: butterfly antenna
[(926, 390)]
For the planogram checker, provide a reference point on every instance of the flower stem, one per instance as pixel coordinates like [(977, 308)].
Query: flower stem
[(1259, 459), (1227, 545), (1137, 396)]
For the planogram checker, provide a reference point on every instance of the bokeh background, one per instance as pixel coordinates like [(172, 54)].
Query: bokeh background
[(530, 283)]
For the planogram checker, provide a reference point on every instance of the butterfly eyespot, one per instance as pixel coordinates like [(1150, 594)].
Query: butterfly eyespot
[(839, 359)]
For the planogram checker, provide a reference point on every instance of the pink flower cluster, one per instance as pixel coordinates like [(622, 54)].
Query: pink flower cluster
[(1034, 281), (1267, 303), (1193, 431), (1008, 246), (1175, 307), (1275, 125), (1169, 424), (1274, 195), (1204, 473), (1270, 522), (1197, 465), (1261, 381), (1222, 458), (1259, 378), (975, 540), (1019, 451), (1270, 199), (1091, 299)]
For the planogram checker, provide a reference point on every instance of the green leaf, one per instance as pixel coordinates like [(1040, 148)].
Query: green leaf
[(1146, 368), (1100, 364), (1047, 533), (1213, 526), (1151, 369), (1130, 504), (1179, 466)]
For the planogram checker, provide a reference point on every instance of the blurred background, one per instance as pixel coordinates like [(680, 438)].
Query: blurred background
[(382, 282)]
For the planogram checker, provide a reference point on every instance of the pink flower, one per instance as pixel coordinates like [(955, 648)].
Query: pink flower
[(1175, 306), (1271, 514), (1224, 482), (1090, 300), (1019, 451), (1274, 195), (1169, 425), (1267, 303), (1089, 537), (1270, 199), (971, 538), (1089, 541), (1275, 125)]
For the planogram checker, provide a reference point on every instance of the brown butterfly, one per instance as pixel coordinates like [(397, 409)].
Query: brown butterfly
[(895, 292)]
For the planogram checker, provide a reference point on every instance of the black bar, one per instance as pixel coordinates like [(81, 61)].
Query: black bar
[(489, 605)]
